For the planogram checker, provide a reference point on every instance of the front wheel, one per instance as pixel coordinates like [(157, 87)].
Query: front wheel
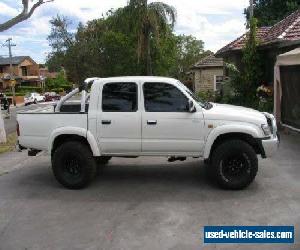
[(73, 165), (234, 164)]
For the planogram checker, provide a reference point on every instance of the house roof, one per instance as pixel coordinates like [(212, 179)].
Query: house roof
[(15, 60), (209, 61), (287, 29)]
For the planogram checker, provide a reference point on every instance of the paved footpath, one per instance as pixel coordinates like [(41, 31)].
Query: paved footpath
[(144, 203)]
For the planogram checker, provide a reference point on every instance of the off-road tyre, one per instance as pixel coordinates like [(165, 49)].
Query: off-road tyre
[(73, 165), (234, 164)]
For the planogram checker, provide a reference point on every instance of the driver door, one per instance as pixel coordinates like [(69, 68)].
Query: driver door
[(167, 125)]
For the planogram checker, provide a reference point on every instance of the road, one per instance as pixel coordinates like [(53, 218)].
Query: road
[(143, 203)]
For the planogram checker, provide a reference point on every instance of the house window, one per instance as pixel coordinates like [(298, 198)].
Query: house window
[(218, 82), (24, 70)]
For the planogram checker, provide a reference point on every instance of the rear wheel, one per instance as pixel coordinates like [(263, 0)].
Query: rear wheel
[(73, 165), (234, 164)]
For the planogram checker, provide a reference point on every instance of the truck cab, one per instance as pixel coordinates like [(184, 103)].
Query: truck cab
[(148, 116)]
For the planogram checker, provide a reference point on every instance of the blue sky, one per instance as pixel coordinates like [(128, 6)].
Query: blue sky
[(216, 22)]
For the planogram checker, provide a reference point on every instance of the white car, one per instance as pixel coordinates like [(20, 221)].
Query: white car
[(33, 98), (147, 116)]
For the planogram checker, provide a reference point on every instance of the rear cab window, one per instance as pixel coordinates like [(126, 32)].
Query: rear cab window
[(120, 97)]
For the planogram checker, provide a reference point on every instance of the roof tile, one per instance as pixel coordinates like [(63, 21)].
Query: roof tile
[(209, 61), (15, 60)]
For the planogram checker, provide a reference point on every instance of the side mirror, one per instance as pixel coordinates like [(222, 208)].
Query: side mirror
[(191, 107)]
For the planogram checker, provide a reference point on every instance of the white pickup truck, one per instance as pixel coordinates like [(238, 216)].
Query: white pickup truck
[(146, 116)]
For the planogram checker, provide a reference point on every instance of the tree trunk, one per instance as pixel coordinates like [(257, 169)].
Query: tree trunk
[(148, 56), (2, 129)]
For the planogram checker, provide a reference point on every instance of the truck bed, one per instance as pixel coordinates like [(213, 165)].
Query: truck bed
[(38, 125), (69, 107)]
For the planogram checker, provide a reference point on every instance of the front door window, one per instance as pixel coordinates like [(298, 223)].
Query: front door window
[(163, 97)]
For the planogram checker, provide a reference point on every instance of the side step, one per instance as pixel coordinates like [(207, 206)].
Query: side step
[(33, 152), (174, 158)]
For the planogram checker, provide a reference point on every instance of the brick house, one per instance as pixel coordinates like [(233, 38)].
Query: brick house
[(280, 38), (207, 74), (25, 71)]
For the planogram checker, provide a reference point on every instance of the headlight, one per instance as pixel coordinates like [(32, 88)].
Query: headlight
[(266, 129)]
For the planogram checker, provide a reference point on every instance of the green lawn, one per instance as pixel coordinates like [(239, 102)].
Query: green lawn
[(10, 144)]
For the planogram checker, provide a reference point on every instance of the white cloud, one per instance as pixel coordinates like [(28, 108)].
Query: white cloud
[(87, 9), (7, 10), (37, 27), (216, 22)]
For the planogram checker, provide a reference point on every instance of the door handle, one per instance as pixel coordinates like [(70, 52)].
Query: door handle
[(151, 122), (106, 122)]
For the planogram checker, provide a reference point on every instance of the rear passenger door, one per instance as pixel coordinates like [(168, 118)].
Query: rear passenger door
[(119, 123)]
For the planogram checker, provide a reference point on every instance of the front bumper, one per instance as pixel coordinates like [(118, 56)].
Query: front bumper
[(270, 146)]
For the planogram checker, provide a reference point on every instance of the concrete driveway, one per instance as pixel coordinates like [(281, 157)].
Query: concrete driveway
[(143, 203)]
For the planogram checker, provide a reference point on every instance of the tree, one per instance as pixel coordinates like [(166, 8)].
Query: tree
[(248, 79), (111, 46), (189, 51), (152, 21), (58, 84), (60, 39), (269, 12), (25, 14), (96, 49)]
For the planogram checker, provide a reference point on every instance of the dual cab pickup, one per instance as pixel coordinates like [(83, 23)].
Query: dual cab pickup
[(147, 116)]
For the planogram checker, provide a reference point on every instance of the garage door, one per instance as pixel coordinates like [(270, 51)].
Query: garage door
[(290, 104)]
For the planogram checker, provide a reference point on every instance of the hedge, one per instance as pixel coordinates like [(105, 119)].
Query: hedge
[(16, 94), (58, 90), (26, 89), (66, 87)]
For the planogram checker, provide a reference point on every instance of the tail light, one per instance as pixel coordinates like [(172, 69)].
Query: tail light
[(18, 129)]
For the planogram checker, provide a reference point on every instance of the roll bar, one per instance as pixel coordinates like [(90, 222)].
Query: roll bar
[(83, 88)]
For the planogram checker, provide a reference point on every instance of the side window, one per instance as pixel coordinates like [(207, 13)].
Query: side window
[(163, 97), (119, 97), (218, 82)]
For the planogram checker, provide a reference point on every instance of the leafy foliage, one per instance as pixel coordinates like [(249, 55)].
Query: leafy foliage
[(252, 67), (58, 84), (243, 83), (269, 12), (189, 51)]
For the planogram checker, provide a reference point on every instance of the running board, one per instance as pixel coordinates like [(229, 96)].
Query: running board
[(174, 158)]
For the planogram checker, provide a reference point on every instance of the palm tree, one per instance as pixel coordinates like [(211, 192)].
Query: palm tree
[(151, 21)]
